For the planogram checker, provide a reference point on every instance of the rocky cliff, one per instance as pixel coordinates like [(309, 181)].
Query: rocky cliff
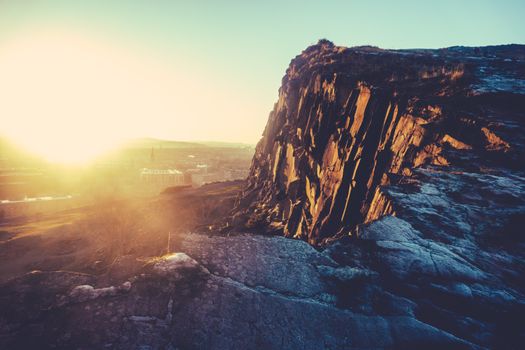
[(350, 121)]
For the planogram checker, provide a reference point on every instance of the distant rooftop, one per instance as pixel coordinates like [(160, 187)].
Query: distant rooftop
[(147, 171)]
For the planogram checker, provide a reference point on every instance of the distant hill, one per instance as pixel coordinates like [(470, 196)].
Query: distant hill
[(12, 155), (219, 144), (152, 142)]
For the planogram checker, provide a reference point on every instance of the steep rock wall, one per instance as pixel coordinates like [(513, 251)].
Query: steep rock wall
[(347, 122)]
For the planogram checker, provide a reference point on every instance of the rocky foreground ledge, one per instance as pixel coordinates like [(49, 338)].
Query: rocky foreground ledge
[(253, 292), (391, 288)]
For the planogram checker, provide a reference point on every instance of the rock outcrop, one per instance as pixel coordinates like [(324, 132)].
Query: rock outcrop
[(350, 121), (236, 292), (408, 166), (391, 288)]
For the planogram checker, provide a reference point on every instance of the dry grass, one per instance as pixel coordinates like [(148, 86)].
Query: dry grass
[(94, 239)]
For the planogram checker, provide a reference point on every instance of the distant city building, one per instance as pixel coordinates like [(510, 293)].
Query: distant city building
[(202, 167), (162, 177)]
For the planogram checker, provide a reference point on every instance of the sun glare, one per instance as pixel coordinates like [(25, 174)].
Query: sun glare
[(70, 98), (67, 150)]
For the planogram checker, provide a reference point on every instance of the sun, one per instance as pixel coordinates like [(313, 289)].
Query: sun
[(66, 149), (70, 98)]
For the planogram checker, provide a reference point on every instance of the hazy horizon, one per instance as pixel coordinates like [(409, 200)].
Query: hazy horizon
[(91, 74)]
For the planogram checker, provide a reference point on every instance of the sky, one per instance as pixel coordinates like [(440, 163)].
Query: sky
[(78, 77)]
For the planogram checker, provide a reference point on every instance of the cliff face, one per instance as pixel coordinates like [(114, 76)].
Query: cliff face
[(350, 121)]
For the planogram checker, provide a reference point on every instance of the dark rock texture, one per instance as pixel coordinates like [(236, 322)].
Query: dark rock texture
[(236, 292), (391, 288)]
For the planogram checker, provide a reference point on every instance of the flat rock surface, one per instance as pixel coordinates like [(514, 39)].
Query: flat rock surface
[(241, 291)]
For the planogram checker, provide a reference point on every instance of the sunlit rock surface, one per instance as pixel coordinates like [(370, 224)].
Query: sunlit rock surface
[(350, 121)]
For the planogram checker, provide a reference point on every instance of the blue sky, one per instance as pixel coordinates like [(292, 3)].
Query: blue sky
[(244, 47)]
